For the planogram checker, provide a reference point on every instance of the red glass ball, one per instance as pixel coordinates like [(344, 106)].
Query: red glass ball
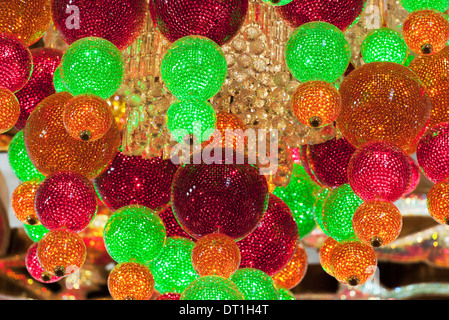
[(136, 180), (16, 63), (40, 85), (215, 19), (118, 21), (340, 13), (416, 176), (172, 226), (433, 152), (379, 170), (329, 161), (169, 296), (35, 269), (272, 244), (65, 200)]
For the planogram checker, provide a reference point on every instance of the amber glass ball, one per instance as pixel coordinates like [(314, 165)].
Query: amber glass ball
[(325, 254), (22, 201), (9, 111), (294, 271), (131, 281), (438, 202)]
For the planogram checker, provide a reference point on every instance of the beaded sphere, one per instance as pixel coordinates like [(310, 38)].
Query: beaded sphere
[(212, 288), (227, 123), (10, 110), (415, 5), (172, 269), (35, 232), (329, 161), (325, 254), (255, 284), (316, 103), (432, 153), (130, 281), (216, 254), (285, 294), (134, 233), (437, 203), (338, 211), (317, 51), (379, 170), (57, 80), (341, 13), (377, 223), (295, 270), (118, 21), (65, 200), (172, 227), (320, 199), (35, 269), (219, 197), (26, 20), (353, 263), (22, 202), (52, 149), (136, 180), (426, 32), (370, 112), (40, 85), (272, 244), (169, 296), (194, 67), (416, 176), (214, 19), (61, 252), (87, 117), (384, 44), (191, 119), (92, 65), (277, 2)]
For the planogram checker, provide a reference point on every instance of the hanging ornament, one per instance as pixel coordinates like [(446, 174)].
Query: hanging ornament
[(325, 254), (320, 199), (131, 281), (169, 296), (317, 51), (255, 284), (415, 5), (35, 269), (214, 19), (370, 112), (35, 232), (10, 110), (172, 227), (285, 294), (212, 288), (226, 124), (216, 254), (295, 270), (384, 44), (416, 176), (437, 203), (57, 80), (22, 201)]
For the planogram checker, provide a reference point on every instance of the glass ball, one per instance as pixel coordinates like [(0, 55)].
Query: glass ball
[(295, 270), (10, 110), (379, 170), (214, 19), (65, 200), (325, 254), (118, 21), (384, 44), (35, 232), (92, 65), (321, 198), (134, 233), (87, 117), (169, 296), (426, 32), (57, 80), (22, 202), (277, 2), (285, 294), (273, 243), (316, 103), (231, 123), (136, 180), (373, 96), (173, 269), (211, 288), (194, 67), (172, 227), (416, 176), (216, 254), (35, 269), (415, 5), (130, 281), (377, 223), (61, 252), (255, 284), (437, 203), (191, 119), (52, 149), (317, 51)]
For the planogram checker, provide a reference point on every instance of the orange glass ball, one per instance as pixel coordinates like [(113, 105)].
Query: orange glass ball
[(383, 101), (52, 149), (325, 254), (9, 110), (426, 32), (294, 271), (316, 103), (131, 281), (438, 202), (61, 252), (353, 263), (87, 117), (231, 123), (22, 201), (216, 254), (377, 223), (28, 20)]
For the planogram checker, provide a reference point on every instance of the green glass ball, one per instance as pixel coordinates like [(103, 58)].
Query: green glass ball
[(191, 118), (384, 44), (211, 288), (57, 81), (415, 5), (35, 232), (255, 284), (320, 199), (285, 294), (317, 51), (277, 2), (19, 160), (338, 211), (194, 67), (134, 233), (92, 65), (173, 269)]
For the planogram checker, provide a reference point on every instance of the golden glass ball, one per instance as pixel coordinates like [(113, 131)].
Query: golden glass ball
[(131, 281), (295, 270), (22, 201), (235, 128), (438, 202), (9, 111), (325, 254)]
